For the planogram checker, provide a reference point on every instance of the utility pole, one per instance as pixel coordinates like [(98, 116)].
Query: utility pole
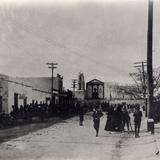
[(52, 66), (74, 85), (149, 59), (140, 66)]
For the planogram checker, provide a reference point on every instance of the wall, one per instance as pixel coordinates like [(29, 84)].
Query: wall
[(141, 102), (40, 96), (44, 83), (101, 91), (32, 88), (24, 89), (79, 94), (4, 92), (110, 90)]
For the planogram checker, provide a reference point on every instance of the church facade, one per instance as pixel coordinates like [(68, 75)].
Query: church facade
[(95, 89)]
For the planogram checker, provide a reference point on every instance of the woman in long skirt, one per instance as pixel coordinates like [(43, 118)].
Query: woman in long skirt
[(109, 124)]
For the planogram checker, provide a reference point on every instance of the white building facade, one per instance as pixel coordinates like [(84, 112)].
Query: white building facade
[(21, 91)]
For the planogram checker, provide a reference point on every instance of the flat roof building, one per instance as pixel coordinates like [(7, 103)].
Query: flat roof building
[(20, 91)]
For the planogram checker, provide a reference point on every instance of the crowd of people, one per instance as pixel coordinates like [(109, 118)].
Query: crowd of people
[(118, 116), (30, 110), (44, 110), (41, 110)]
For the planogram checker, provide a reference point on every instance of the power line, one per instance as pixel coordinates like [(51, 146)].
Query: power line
[(74, 86), (55, 43), (141, 67), (52, 66)]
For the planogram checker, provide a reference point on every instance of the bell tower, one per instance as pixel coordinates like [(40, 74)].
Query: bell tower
[(81, 82)]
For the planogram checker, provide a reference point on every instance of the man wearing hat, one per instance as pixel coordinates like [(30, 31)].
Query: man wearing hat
[(137, 121), (97, 114)]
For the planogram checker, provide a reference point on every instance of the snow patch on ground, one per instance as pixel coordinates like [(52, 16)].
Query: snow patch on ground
[(69, 141)]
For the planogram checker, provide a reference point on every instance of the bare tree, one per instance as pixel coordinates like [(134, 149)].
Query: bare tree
[(138, 90), (129, 91)]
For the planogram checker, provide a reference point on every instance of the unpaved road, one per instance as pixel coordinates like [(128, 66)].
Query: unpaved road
[(69, 141), (21, 130)]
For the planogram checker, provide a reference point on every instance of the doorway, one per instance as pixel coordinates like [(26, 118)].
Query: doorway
[(16, 100)]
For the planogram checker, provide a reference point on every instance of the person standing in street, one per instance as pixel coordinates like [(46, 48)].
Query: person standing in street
[(81, 114), (97, 114), (109, 124), (137, 121), (125, 119), (118, 118)]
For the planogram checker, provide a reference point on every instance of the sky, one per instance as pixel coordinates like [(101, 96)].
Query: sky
[(101, 38)]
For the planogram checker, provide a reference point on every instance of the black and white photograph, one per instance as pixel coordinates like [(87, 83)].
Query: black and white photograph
[(79, 79)]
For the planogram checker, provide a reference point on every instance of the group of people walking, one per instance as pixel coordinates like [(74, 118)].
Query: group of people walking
[(117, 118)]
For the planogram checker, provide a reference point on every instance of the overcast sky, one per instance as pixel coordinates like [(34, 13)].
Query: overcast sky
[(100, 38)]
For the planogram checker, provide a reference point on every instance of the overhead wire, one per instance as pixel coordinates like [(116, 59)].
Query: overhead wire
[(60, 45)]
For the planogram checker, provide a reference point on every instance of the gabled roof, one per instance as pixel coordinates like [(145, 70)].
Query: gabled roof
[(95, 81)]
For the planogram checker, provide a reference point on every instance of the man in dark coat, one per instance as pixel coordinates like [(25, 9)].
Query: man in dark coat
[(137, 120), (97, 114), (125, 119), (81, 114)]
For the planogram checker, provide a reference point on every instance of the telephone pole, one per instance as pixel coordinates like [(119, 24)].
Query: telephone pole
[(52, 66), (140, 66), (149, 59), (74, 85)]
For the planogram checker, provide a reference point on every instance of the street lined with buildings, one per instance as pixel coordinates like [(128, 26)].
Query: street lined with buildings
[(89, 108), (68, 140)]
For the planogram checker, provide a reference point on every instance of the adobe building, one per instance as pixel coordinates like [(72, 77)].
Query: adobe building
[(95, 89), (20, 91)]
